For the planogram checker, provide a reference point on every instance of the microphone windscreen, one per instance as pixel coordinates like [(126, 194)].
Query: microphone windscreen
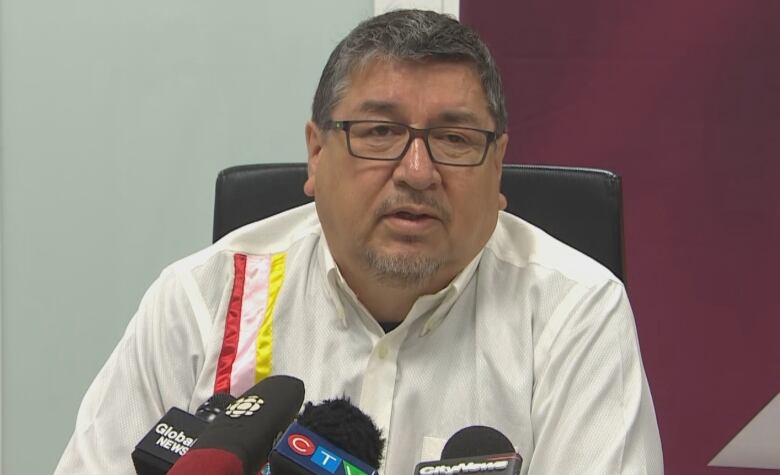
[(301, 451), (249, 425), (476, 441), (330, 438), (346, 426)]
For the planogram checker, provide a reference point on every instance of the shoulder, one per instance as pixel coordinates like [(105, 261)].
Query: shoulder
[(198, 283), (521, 245), (273, 235)]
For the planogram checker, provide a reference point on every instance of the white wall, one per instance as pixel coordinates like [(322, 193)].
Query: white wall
[(115, 119)]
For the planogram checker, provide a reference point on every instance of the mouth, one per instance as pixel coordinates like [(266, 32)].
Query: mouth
[(412, 213), (411, 216), (411, 221)]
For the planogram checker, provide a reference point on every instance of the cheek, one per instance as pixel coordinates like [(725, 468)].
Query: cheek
[(329, 202), (475, 211), (347, 204)]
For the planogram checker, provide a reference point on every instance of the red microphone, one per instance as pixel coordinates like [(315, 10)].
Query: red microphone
[(208, 461), (239, 440)]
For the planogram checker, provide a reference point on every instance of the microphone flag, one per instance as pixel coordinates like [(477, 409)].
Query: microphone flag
[(314, 454), (495, 464)]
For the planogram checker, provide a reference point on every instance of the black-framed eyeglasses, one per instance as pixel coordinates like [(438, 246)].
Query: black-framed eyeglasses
[(384, 140)]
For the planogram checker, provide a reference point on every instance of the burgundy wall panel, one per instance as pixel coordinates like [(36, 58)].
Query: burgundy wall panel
[(682, 98)]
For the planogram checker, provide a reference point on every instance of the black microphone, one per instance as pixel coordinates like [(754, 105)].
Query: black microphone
[(174, 434), (330, 438), (475, 449), (239, 439)]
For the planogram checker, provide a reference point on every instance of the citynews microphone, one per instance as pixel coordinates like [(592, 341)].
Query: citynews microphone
[(330, 438), (239, 440), (475, 449), (174, 434)]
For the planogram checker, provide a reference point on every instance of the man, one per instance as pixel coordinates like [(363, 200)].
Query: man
[(403, 286)]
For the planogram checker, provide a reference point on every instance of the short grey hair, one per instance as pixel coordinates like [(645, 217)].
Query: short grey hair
[(413, 35)]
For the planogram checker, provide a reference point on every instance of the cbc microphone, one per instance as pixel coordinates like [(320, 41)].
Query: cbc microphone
[(475, 449), (174, 434), (331, 438), (239, 439)]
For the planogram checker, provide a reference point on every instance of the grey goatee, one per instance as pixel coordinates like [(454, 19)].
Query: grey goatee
[(410, 269)]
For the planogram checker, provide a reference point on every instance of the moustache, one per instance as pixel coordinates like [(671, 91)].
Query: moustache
[(412, 197)]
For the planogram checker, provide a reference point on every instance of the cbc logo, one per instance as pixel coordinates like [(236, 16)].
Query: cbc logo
[(245, 406)]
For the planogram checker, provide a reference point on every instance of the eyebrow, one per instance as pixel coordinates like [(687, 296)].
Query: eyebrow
[(458, 118), (451, 117), (378, 107)]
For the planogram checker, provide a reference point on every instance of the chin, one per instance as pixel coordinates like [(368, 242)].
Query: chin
[(405, 269)]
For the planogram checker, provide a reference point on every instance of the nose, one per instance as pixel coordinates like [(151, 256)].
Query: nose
[(416, 169)]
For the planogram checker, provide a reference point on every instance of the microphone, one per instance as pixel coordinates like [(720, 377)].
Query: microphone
[(333, 437), (174, 434), (239, 440), (475, 449)]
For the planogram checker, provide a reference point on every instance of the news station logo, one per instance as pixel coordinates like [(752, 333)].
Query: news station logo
[(497, 464), (244, 406), (315, 454), (320, 456)]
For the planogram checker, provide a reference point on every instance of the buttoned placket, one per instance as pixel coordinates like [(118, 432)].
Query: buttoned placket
[(379, 378)]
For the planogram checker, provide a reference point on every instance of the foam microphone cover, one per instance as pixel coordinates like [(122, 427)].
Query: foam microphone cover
[(343, 424), (249, 426), (330, 438), (475, 441)]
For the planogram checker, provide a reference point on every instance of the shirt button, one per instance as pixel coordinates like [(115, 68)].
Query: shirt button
[(382, 352)]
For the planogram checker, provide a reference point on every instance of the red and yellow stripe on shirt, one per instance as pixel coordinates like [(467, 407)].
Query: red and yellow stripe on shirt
[(246, 354)]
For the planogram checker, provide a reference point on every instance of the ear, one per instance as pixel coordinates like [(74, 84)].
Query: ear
[(314, 142), (501, 144)]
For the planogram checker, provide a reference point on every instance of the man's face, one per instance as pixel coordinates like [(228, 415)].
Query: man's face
[(412, 221)]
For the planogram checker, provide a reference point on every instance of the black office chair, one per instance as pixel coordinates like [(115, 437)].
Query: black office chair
[(580, 206)]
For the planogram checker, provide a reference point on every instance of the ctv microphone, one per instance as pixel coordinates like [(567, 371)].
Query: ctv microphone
[(475, 449), (239, 439), (174, 434), (333, 437)]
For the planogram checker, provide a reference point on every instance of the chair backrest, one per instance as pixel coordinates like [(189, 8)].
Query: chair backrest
[(579, 206)]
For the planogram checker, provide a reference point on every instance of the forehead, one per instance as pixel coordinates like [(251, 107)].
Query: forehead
[(416, 93)]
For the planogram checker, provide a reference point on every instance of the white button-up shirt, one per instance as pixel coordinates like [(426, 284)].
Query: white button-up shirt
[(532, 338)]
